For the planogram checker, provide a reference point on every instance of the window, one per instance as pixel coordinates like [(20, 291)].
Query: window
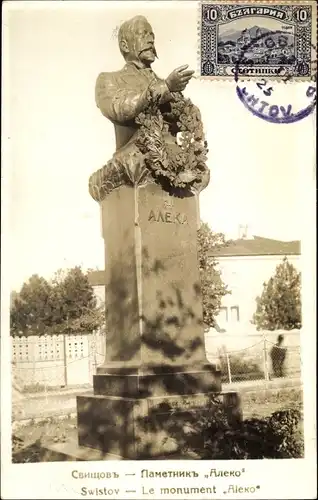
[(223, 315), (235, 314)]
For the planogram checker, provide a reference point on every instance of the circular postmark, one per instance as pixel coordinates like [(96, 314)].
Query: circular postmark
[(266, 95)]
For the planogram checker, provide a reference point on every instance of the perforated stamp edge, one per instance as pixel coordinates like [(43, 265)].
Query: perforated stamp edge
[(245, 77)]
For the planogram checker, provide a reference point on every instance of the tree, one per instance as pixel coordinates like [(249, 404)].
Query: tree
[(279, 306), (212, 286), (74, 304), (30, 309), (66, 304)]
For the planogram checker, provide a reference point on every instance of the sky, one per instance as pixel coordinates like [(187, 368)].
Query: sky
[(56, 137)]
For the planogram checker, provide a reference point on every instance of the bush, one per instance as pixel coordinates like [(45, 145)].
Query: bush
[(276, 436), (28, 454), (241, 368)]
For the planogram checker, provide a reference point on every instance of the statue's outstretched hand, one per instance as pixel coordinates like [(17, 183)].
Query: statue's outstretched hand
[(179, 78)]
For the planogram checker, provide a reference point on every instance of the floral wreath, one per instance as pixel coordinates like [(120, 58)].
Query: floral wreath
[(184, 163)]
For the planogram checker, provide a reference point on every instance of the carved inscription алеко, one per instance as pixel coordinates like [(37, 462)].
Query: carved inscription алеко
[(168, 217), (167, 214)]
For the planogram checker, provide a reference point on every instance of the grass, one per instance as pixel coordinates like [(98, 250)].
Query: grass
[(29, 438), (49, 429), (52, 430), (263, 403), (58, 389)]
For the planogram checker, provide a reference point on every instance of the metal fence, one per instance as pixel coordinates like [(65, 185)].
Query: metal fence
[(264, 360), (47, 362)]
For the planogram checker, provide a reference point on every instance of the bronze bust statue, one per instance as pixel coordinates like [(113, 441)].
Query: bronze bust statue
[(146, 112), (122, 95)]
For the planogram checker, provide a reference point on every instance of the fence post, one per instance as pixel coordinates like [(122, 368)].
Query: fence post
[(65, 359), (95, 350), (265, 359), (228, 367), (33, 361), (92, 354)]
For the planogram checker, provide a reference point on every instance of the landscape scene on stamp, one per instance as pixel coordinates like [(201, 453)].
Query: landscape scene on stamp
[(266, 47), (146, 370)]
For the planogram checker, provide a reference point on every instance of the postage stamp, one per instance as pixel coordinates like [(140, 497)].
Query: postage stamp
[(140, 359), (257, 39)]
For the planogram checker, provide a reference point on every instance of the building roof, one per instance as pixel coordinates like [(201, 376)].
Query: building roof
[(258, 246)]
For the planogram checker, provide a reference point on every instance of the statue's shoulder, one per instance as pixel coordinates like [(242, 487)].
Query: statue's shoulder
[(108, 79), (106, 84)]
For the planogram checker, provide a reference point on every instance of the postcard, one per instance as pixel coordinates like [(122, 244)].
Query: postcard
[(158, 222)]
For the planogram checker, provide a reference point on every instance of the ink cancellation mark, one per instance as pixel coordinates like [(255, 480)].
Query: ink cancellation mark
[(261, 37), (274, 112), (267, 99)]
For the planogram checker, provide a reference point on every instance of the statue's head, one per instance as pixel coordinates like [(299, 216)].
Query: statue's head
[(136, 41)]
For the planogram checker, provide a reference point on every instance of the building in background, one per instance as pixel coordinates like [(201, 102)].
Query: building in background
[(245, 265), (39, 362)]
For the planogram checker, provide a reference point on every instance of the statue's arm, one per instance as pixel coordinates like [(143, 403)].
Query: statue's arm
[(124, 104)]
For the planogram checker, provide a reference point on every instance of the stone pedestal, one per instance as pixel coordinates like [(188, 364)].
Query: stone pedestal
[(155, 379), (145, 428), (153, 299)]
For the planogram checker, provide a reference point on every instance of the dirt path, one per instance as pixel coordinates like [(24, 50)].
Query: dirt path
[(48, 405), (51, 404)]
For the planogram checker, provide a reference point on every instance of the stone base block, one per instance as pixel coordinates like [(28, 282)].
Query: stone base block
[(140, 385), (72, 452), (144, 428)]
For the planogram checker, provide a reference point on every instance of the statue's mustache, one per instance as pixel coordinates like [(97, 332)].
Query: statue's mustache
[(149, 47)]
